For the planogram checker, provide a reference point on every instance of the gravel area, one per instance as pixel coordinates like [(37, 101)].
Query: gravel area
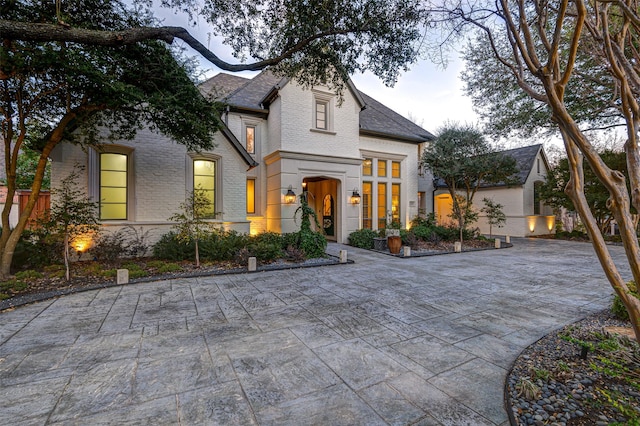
[(580, 375)]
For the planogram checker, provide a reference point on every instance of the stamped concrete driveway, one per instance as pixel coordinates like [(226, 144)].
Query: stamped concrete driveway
[(382, 341)]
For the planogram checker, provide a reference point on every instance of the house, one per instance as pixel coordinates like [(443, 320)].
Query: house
[(357, 160), (526, 214)]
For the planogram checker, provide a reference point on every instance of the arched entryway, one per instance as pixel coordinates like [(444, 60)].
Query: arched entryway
[(323, 198)]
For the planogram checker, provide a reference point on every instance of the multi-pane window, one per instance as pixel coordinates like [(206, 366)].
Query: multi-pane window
[(321, 115), (251, 196), (382, 168), (204, 179), (367, 167), (382, 205), (250, 139), (395, 202), (395, 169), (113, 186), (367, 207)]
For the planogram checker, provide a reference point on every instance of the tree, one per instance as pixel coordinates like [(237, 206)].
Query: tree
[(548, 50), (596, 194), (72, 215), (464, 160), (192, 224), (495, 215), (26, 168), (314, 41), (55, 91)]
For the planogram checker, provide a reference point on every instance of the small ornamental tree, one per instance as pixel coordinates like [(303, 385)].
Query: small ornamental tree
[(495, 215), (72, 215), (462, 158), (191, 225)]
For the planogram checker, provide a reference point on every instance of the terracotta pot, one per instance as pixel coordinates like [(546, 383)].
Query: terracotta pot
[(395, 244)]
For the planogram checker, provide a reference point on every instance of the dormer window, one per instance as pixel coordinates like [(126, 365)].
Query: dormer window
[(321, 115), (322, 119)]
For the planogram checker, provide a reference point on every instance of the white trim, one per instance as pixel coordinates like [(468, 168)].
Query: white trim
[(93, 177), (189, 159)]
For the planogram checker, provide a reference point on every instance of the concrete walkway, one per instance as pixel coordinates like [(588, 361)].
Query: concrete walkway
[(423, 341)]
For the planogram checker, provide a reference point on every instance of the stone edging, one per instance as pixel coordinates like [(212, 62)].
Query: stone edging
[(503, 245)]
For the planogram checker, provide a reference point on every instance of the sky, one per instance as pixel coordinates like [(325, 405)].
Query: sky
[(431, 95)]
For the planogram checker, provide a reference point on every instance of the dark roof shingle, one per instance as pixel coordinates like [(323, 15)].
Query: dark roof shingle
[(375, 119)]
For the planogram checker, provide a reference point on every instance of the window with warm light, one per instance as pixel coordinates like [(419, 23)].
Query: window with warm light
[(251, 196), (250, 139), (204, 179), (382, 205), (367, 207), (382, 168), (395, 202), (395, 169), (367, 167), (113, 186)]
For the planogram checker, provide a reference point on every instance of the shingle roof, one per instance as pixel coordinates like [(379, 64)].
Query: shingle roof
[(375, 119), (221, 85), (525, 158)]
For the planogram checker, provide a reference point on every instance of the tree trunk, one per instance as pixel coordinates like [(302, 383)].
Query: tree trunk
[(575, 190), (9, 239), (67, 274), (197, 255)]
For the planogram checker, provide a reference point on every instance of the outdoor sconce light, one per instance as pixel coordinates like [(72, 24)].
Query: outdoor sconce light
[(355, 197), (290, 196)]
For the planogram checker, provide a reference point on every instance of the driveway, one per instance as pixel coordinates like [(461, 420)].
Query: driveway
[(423, 341)]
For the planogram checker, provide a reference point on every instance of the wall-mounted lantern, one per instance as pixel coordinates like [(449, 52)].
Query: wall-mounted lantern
[(355, 197), (290, 196)]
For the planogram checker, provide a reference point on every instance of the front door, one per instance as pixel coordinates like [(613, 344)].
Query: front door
[(328, 216)]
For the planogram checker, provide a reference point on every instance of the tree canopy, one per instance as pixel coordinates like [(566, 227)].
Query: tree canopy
[(53, 91), (553, 194), (314, 41)]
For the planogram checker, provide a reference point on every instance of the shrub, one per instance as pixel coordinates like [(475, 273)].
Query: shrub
[(422, 232), (264, 252), (427, 221), (37, 248), (242, 256), (289, 240), (170, 248), (109, 247), (617, 307), (362, 238), (221, 245), (295, 254), (446, 233), (314, 244), (409, 238)]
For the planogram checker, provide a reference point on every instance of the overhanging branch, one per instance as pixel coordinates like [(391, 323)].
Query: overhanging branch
[(15, 30)]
